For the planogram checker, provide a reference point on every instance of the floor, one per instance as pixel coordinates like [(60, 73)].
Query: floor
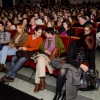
[(23, 83)]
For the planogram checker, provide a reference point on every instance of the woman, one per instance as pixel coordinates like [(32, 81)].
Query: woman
[(16, 21), (17, 41), (79, 51), (10, 25), (46, 47), (25, 22), (87, 30), (66, 30), (33, 42)]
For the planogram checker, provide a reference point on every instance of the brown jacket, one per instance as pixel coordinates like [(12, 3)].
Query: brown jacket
[(21, 40)]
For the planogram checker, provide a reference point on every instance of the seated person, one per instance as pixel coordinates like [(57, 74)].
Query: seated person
[(4, 35), (79, 51), (10, 25), (46, 47), (33, 42), (66, 30), (17, 41)]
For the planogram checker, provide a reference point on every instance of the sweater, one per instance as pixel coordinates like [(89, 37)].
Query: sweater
[(21, 40), (4, 37), (31, 44), (58, 43)]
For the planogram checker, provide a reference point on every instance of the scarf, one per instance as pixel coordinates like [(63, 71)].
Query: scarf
[(52, 44), (80, 56)]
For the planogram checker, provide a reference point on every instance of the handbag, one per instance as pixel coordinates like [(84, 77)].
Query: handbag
[(22, 53), (56, 52), (89, 80)]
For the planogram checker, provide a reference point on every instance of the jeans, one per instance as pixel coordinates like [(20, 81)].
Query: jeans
[(15, 66), (6, 50), (1, 46)]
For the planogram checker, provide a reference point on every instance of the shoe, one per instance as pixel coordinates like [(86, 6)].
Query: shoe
[(2, 68), (42, 83), (57, 96), (8, 79), (2, 79), (63, 96), (37, 88)]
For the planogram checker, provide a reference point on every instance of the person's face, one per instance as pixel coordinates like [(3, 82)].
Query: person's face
[(65, 25), (87, 30), (1, 27), (19, 29), (25, 22), (36, 16), (32, 22), (48, 35), (45, 17), (38, 33), (80, 20), (8, 23), (49, 24)]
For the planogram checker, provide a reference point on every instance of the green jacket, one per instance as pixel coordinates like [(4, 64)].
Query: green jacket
[(21, 40), (58, 43)]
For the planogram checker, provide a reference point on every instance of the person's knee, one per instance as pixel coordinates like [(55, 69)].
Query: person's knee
[(40, 59)]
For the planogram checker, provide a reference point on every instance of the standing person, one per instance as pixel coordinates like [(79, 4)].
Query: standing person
[(17, 41), (46, 47), (79, 51), (4, 35), (33, 42)]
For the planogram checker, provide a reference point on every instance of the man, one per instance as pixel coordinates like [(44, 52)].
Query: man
[(4, 35), (83, 21), (36, 18)]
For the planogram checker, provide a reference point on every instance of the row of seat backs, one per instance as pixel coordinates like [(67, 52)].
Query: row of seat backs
[(77, 30)]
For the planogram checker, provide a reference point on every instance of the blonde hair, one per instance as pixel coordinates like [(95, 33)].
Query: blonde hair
[(21, 26)]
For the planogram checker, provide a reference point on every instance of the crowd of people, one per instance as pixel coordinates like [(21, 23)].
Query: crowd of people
[(26, 19)]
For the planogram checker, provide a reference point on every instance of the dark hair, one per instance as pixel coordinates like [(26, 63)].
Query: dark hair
[(11, 21), (67, 21), (83, 17), (1, 22), (38, 28), (50, 30), (87, 42)]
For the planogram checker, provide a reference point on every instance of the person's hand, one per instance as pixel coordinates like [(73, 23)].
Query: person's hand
[(20, 48), (23, 48), (11, 45), (46, 51), (84, 67)]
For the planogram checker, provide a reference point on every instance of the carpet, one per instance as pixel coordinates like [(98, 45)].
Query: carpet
[(9, 93)]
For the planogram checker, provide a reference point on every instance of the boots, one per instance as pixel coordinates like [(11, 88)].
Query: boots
[(2, 68), (63, 96), (57, 96), (40, 86), (37, 88), (42, 83)]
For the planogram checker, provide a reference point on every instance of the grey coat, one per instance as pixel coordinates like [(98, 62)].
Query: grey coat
[(73, 76)]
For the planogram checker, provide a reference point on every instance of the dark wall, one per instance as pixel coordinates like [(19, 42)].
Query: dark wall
[(7, 3)]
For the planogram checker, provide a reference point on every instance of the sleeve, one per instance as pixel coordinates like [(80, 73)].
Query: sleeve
[(70, 56), (60, 44), (92, 60), (7, 39), (42, 46), (22, 42)]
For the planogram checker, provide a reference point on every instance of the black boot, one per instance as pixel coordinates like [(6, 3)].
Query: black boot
[(57, 96), (63, 96)]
